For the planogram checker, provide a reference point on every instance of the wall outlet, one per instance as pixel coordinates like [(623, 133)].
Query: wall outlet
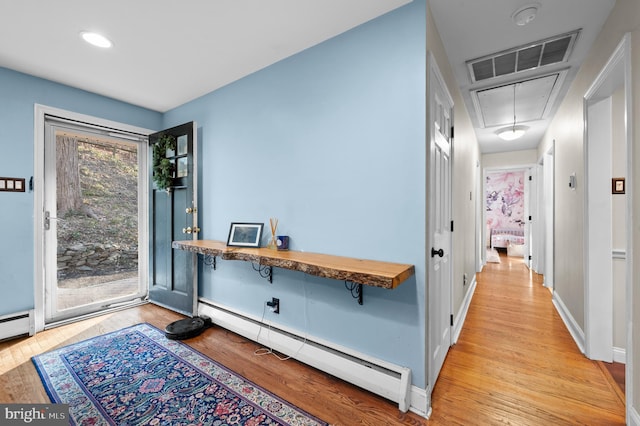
[(274, 304)]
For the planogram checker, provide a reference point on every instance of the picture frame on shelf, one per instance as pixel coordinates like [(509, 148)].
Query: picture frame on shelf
[(243, 234)]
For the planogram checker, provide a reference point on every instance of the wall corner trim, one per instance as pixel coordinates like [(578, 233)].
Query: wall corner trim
[(570, 322), (462, 313)]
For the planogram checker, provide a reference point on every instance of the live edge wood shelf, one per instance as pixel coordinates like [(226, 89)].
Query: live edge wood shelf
[(357, 271)]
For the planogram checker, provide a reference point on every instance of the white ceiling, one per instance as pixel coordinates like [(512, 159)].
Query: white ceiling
[(474, 28), (168, 52)]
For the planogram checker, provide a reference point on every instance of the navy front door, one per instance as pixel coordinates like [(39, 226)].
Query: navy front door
[(173, 215)]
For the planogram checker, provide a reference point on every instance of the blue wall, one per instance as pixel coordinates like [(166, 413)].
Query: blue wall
[(332, 143), (18, 94)]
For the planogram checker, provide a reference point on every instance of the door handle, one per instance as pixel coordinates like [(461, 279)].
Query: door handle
[(438, 252), (47, 220), (191, 210), (187, 230)]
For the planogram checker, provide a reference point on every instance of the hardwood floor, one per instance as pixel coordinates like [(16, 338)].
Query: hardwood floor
[(515, 363), (322, 395)]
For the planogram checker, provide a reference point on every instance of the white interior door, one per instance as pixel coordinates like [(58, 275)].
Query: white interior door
[(440, 257)]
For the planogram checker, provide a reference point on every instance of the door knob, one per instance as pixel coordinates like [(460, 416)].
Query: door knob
[(190, 210), (438, 252), (187, 230)]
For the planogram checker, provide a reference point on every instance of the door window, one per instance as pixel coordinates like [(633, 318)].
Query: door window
[(95, 233)]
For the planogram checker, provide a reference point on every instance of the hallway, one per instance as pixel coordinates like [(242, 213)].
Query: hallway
[(516, 363)]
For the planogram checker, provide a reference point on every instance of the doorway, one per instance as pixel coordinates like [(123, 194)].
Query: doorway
[(90, 178), (93, 221), (506, 205), (608, 219)]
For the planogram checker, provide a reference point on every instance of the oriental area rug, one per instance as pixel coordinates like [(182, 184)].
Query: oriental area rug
[(137, 376)]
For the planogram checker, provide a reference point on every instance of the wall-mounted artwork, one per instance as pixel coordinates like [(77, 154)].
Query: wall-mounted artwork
[(505, 199)]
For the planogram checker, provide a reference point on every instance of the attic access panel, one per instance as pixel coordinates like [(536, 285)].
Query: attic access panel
[(533, 99)]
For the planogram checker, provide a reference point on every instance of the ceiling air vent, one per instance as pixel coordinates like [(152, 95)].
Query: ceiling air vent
[(546, 52)]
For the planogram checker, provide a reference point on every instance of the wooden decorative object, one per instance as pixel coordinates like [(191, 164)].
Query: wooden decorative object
[(273, 222)]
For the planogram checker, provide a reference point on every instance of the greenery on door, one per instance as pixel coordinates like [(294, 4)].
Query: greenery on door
[(163, 167)]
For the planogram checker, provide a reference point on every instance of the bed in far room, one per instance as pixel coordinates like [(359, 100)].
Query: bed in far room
[(511, 239)]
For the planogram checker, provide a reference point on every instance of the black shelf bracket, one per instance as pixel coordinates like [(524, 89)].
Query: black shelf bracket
[(264, 271), (210, 261), (356, 291)]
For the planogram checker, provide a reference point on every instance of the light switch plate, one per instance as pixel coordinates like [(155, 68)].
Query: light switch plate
[(8, 184)]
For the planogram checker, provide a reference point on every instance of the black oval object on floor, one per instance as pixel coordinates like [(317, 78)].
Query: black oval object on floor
[(187, 328)]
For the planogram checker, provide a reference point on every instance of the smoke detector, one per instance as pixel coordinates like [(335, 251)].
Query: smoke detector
[(525, 14)]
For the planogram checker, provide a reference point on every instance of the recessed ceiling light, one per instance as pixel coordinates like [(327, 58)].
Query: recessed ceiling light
[(96, 39), (525, 14)]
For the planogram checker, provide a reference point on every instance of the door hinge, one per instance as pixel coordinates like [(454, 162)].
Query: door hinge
[(451, 320), (530, 257), (451, 226), (452, 132), (530, 218), (530, 177)]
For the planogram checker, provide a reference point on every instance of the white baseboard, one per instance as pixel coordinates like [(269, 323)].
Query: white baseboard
[(460, 317), (420, 402), (633, 418), (620, 355), (383, 378), (571, 324)]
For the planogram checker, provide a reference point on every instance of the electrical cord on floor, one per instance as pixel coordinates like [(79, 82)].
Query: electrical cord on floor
[(268, 350)]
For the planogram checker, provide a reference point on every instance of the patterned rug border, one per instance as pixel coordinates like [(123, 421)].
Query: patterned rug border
[(181, 351)]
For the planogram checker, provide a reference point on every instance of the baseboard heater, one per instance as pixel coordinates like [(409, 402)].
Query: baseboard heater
[(388, 380), (16, 325)]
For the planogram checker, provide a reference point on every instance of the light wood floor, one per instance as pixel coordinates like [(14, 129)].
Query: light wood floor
[(514, 363)]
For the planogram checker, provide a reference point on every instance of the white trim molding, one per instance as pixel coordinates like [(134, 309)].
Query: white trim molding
[(40, 111), (383, 378), (633, 417), (570, 322), (461, 316), (619, 355)]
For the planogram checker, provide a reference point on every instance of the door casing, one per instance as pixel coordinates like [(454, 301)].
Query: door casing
[(438, 312), (40, 111), (616, 73)]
